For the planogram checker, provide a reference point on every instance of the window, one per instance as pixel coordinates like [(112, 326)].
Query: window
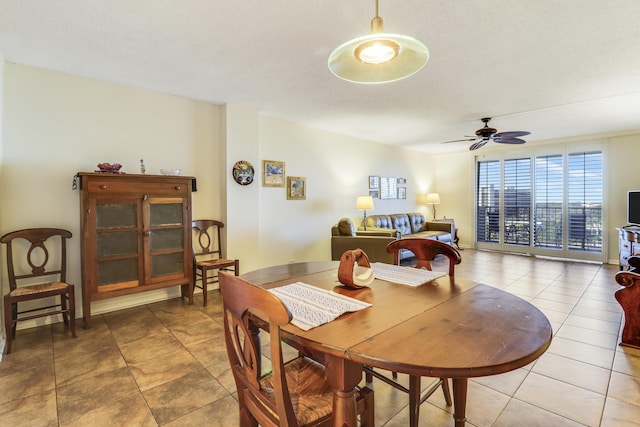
[(549, 204)]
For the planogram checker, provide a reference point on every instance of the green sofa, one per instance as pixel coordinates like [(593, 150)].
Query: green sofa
[(382, 230)]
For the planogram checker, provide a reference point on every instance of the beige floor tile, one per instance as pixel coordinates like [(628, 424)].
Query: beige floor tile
[(88, 365), (183, 395), (25, 383), (625, 387), (553, 296), (567, 400), (139, 329), (220, 413), (573, 372), (25, 360), (582, 352), (484, 405), (211, 352), (588, 336), (620, 414), (32, 340), (627, 363), (81, 397), (518, 413), (149, 347), (160, 370), (197, 332), (129, 411), (593, 324), (32, 411), (506, 383)]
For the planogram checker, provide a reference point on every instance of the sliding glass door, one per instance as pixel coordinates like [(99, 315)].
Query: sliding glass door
[(545, 205)]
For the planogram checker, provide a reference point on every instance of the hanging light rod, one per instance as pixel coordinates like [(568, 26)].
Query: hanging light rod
[(378, 57)]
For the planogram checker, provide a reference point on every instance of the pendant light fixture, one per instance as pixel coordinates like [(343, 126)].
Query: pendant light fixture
[(378, 57)]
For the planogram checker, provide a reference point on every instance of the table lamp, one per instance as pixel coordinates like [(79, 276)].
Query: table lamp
[(365, 203), (433, 199)]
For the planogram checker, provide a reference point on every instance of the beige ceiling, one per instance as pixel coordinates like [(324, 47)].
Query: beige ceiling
[(555, 68)]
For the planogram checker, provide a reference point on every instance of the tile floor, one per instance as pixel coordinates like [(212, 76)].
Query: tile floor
[(165, 363)]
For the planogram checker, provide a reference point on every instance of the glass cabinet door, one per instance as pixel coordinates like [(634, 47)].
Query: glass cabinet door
[(166, 238), (117, 247)]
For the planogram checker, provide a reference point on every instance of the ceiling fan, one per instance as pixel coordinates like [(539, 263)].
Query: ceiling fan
[(486, 134)]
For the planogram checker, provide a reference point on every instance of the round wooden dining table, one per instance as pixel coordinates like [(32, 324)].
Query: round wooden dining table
[(451, 329)]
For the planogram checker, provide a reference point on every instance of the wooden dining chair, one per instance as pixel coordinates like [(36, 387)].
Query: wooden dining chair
[(207, 253), (425, 251), (294, 393), (33, 255)]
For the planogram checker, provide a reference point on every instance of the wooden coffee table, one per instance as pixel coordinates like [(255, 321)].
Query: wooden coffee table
[(455, 331)]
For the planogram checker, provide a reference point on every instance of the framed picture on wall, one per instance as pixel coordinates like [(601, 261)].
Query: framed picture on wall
[(374, 193), (272, 173), (374, 181), (402, 192), (296, 188)]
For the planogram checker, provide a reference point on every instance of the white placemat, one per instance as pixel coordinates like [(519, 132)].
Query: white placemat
[(311, 306), (404, 275)]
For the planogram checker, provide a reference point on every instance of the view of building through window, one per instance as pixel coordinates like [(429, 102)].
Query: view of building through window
[(551, 202)]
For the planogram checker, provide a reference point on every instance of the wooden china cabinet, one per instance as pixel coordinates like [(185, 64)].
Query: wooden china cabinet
[(136, 235)]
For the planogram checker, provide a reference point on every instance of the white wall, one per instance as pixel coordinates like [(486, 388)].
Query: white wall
[(336, 168)]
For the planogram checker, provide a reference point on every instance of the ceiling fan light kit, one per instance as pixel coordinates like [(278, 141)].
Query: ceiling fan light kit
[(378, 57)]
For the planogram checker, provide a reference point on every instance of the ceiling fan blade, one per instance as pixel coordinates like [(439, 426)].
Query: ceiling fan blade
[(478, 144), (513, 134), (459, 140), (510, 140)]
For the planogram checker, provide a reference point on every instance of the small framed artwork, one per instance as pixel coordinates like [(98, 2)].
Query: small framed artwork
[(402, 192), (296, 188), (402, 181), (272, 173), (374, 181), (374, 193)]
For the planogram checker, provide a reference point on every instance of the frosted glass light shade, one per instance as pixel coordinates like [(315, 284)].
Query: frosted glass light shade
[(411, 56)]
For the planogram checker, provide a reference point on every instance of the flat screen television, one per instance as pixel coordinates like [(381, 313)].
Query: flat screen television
[(633, 207)]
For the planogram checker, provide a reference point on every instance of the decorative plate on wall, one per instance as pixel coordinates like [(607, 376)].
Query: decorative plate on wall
[(243, 172)]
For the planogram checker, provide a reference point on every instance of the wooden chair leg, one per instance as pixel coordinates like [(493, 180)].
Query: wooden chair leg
[(236, 267), (63, 306), (205, 273), (72, 310), (8, 323), (414, 400), (446, 390)]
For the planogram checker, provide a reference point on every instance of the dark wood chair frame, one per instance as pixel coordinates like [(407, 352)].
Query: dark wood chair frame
[(425, 251), (207, 257), (266, 399), (629, 299), (41, 266)]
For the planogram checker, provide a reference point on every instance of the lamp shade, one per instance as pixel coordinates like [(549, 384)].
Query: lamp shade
[(433, 198), (364, 203)]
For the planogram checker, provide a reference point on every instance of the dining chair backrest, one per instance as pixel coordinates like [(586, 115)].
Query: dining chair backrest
[(239, 299), (37, 270), (207, 239), (208, 257), (425, 251)]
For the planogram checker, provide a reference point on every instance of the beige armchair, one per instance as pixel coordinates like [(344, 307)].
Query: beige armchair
[(344, 237)]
